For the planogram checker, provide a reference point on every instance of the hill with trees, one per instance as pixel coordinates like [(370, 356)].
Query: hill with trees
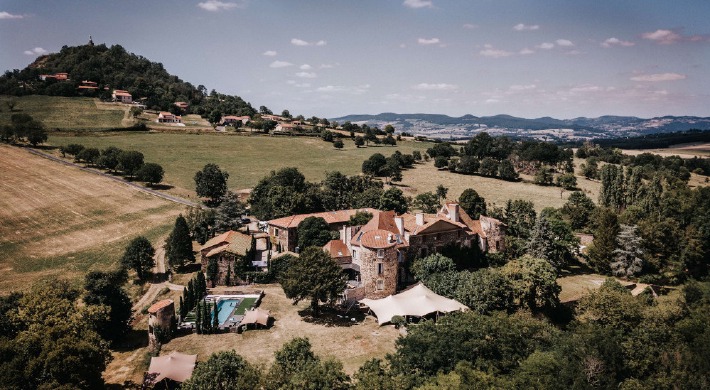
[(115, 68)]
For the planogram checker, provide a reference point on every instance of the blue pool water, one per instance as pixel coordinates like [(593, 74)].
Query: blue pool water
[(226, 307)]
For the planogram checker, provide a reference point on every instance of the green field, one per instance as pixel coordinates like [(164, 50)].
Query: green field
[(65, 113), (246, 158)]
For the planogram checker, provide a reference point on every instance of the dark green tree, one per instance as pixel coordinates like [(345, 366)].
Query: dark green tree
[(313, 231), (178, 246), (105, 288), (229, 213), (627, 260), (130, 162), (473, 204), (359, 141), (552, 239), (489, 167), (601, 251), (150, 173), (223, 371), (139, 257), (313, 276), (506, 170), (211, 182), (534, 283), (578, 210), (393, 199)]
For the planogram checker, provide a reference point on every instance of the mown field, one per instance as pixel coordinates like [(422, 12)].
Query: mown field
[(57, 220), (246, 158), (249, 158), (66, 113)]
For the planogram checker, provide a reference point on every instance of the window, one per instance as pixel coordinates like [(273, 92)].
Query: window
[(354, 254), (380, 253), (380, 284), (276, 232), (380, 268)]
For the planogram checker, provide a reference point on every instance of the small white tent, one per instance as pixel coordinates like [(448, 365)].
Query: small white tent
[(176, 366), (418, 301)]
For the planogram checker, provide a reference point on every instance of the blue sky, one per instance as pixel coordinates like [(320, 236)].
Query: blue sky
[(565, 58)]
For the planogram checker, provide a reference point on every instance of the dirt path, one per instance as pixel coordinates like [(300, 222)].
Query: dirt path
[(115, 178)]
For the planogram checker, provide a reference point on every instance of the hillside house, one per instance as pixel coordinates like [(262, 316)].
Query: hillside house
[(122, 96), (271, 117), (166, 117), (182, 105), (232, 119), (57, 76)]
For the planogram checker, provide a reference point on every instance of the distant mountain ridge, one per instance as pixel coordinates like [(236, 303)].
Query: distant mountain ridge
[(444, 126)]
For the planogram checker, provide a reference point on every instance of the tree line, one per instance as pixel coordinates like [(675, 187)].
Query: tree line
[(129, 163)]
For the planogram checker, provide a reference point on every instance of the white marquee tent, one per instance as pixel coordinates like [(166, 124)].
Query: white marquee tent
[(418, 301)]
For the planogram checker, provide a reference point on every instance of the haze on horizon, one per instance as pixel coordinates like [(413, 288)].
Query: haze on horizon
[(331, 58)]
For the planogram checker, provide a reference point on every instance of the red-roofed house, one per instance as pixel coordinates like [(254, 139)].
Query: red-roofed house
[(166, 117), (182, 105), (232, 119), (57, 76), (161, 315), (230, 251), (119, 95)]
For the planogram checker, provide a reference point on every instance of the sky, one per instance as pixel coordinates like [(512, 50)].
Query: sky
[(328, 58)]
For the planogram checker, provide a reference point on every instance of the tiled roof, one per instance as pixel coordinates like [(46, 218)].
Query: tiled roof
[(410, 223), (383, 220), (336, 248), (377, 239), (331, 217), (231, 241), (159, 305)]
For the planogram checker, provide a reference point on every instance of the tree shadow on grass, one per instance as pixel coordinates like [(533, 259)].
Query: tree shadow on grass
[(132, 340), (577, 267), (160, 187), (332, 317)]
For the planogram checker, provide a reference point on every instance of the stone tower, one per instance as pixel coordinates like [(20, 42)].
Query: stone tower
[(379, 263)]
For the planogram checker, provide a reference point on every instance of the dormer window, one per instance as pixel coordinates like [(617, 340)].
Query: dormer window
[(380, 253)]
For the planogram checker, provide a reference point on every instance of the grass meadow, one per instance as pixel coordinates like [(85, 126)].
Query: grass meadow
[(66, 113)]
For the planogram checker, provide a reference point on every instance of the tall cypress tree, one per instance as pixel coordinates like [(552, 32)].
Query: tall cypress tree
[(228, 278), (198, 318), (182, 308), (601, 252), (178, 246), (190, 295), (215, 319)]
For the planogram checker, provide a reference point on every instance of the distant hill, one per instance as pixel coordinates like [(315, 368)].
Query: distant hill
[(115, 68), (547, 128)]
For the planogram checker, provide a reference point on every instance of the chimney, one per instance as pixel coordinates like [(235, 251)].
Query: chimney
[(453, 211), (420, 219), (399, 221)]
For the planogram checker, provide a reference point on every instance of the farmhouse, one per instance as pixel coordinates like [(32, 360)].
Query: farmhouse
[(57, 76), (122, 96), (166, 117), (182, 105), (232, 119), (233, 251)]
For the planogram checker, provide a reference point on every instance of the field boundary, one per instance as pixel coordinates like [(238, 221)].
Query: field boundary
[(114, 178)]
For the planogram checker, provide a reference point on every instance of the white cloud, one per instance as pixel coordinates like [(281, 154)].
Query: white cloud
[(659, 77), (298, 85), (35, 51), (663, 37), (306, 75), (564, 42), (301, 42), (418, 3), (526, 27), (428, 41), (545, 46), (470, 26), (526, 51), (435, 87), (491, 101), (357, 90), (270, 53), (616, 42), (7, 15), (490, 51), (280, 64), (216, 5), (305, 67), (517, 88)]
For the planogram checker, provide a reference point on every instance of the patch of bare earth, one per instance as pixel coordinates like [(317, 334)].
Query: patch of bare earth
[(50, 211)]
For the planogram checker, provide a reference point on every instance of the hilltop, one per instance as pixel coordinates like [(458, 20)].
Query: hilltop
[(111, 68), (545, 128)]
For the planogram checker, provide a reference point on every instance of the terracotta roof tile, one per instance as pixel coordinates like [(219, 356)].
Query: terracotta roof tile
[(377, 239), (336, 248), (159, 305), (331, 217)]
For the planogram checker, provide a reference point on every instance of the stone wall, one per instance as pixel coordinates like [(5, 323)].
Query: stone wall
[(422, 245), (161, 319), (370, 275)]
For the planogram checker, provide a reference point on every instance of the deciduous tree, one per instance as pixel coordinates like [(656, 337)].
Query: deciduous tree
[(211, 182), (314, 276), (139, 257), (473, 204), (222, 371), (178, 246)]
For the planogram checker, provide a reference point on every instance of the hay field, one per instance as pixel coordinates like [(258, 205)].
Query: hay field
[(246, 158), (67, 113), (683, 150), (425, 177), (57, 220)]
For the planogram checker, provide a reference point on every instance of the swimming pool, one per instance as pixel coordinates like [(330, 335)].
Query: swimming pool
[(225, 308)]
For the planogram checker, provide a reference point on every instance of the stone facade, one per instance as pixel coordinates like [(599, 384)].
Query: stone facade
[(494, 232), (379, 270), (160, 315)]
